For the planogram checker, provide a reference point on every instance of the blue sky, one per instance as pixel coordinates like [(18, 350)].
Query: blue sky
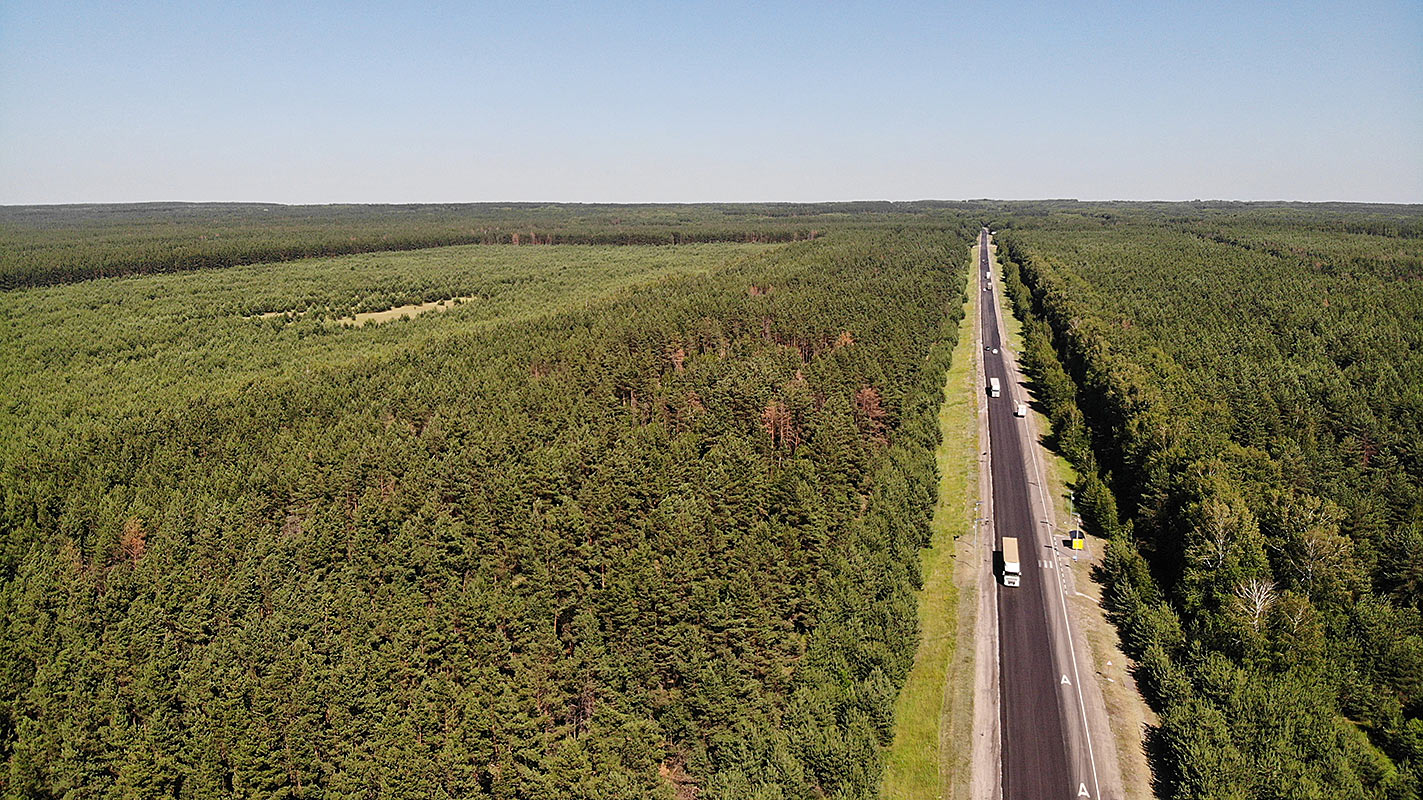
[(690, 101)]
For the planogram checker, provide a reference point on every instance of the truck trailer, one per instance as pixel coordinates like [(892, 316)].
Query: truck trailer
[(1012, 570)]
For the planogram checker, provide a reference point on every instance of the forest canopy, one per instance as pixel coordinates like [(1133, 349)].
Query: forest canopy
[(631, 522), (1243, 393), (637, 512)]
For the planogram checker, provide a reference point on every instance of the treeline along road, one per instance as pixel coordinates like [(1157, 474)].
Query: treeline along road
[(1241, 395), (644, 521), (1046, 748), (643, 541)]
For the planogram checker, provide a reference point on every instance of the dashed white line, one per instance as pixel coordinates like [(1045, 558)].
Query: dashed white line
[(1062, 596)]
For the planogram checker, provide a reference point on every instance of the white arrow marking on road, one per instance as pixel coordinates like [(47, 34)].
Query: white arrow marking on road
[(1082, 790), (1065, 681)]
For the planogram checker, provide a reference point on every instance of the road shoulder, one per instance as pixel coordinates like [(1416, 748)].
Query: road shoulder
[(1113, 702), (987, 749)]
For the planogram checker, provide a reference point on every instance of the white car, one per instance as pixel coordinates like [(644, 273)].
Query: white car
[(1021, 410)]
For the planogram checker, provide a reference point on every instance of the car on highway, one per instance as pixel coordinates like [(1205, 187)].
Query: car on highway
[(1020, 410)]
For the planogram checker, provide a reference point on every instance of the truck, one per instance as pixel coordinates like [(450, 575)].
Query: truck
[(1020, 410), (1012, 570), (994, 390)]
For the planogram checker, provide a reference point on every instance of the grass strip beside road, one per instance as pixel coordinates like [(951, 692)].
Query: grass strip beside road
[(924, 759)]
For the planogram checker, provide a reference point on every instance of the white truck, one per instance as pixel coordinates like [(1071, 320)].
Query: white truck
[(994, 390), (1012, 570), (1020, 410)]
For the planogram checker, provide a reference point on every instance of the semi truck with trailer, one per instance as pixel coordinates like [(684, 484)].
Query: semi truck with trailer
[(1012, 569)]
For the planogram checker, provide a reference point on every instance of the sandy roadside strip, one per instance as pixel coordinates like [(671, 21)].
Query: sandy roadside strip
[(986, 779), (1074, 575)]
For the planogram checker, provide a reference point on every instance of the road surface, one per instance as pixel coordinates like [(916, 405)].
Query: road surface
[(1046, 751)]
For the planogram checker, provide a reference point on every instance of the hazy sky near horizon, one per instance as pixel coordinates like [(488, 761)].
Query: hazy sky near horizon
[(691, 101)]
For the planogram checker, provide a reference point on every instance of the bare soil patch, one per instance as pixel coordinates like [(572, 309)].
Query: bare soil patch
[(399, 312)]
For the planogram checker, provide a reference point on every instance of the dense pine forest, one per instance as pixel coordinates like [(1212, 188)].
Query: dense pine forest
[(636, 512), (44, 245), (1242, 390), (635, 521)]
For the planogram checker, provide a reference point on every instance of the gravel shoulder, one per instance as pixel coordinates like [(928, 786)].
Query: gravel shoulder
[(985, 779), (1113, 701)]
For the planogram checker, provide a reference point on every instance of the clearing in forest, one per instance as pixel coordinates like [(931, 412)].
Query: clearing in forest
[(407, 311), (614, 544), (102, 345)]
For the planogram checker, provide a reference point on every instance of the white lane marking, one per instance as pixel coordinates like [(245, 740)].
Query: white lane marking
[(987, 477), (1082, 790), (1065, 681), (1066, 617)]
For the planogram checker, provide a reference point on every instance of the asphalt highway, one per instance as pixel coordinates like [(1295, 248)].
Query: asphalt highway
[(1045, 749)]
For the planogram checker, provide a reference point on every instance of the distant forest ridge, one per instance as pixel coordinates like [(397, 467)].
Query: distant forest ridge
[(55, 244)]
